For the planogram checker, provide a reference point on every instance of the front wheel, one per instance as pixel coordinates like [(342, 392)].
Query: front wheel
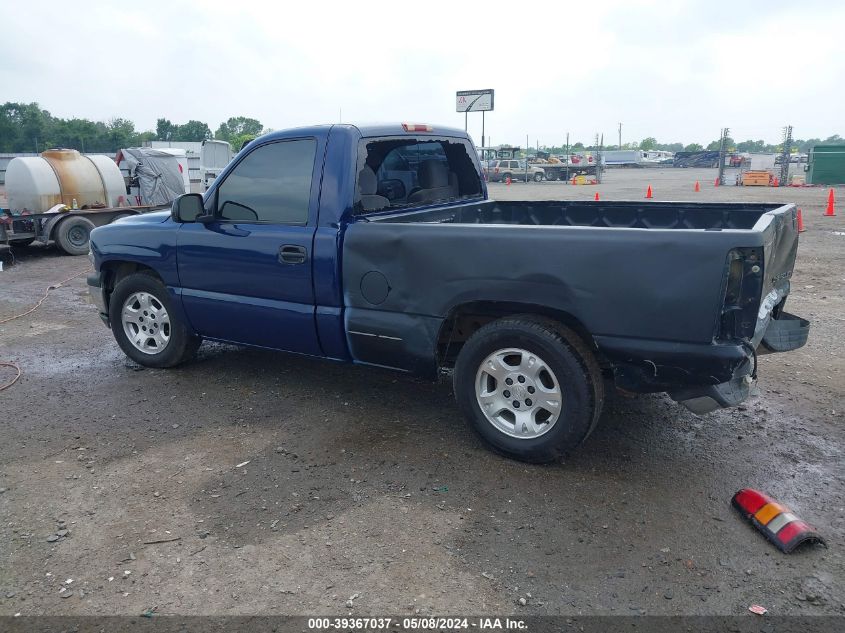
[(145, 324), (529, 387)]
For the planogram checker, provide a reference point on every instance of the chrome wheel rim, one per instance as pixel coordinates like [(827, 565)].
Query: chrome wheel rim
[(146, 323), (518, 393)]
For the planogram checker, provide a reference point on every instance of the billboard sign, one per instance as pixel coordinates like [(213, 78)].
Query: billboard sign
[(474, 100)]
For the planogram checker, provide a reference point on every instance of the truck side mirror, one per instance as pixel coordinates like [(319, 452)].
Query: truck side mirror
[(187, 208)]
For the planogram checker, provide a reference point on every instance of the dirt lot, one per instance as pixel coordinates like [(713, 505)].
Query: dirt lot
[(253, 482)]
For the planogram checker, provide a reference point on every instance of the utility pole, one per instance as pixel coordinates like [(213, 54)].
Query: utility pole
[(784, 158), (723, 150), (599, 159), (527, 147), (620, 136)]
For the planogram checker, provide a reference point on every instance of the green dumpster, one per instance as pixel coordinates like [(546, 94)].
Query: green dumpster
[(826, 165)]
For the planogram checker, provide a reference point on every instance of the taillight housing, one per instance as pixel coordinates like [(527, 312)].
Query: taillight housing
[(743, 287)]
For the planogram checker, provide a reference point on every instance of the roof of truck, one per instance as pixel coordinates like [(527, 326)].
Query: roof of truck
[(374, 129)]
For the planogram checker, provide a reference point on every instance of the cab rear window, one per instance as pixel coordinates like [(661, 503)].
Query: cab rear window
[(404, 172)]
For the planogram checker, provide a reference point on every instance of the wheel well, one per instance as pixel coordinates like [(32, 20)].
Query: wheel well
[(464, 320), (114, 272)]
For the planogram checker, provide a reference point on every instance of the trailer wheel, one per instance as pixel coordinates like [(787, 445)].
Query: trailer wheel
[(529, 387), (72, 235), (538, 177), (146, 324), (551, 176)]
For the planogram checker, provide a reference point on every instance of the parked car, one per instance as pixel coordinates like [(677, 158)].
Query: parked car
[(500, 170), (330, 242)]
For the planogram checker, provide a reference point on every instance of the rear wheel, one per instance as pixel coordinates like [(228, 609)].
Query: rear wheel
[(530, 387), (146, 326), (506, 177), (551, 176), (73, 234), (538, 177)]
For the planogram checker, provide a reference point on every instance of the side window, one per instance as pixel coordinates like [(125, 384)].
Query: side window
[(272, 184)]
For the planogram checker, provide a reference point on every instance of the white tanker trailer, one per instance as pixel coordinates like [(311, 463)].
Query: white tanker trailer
[(62, 196)]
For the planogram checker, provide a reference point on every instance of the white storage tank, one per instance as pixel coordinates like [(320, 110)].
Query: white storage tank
[(60, 176)]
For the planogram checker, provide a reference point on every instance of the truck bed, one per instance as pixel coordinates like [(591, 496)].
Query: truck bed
[(623, 214), (647, 280)]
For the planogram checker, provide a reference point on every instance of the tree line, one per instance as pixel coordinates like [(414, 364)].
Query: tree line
[(25, 127), (651, 143)]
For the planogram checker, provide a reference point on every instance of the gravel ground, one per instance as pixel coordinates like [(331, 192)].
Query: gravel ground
[(251, 482)]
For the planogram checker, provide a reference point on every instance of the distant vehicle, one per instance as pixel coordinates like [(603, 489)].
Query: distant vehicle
[(500, 170), (563, 167), (624, 158), (658, 156), (702, 158)]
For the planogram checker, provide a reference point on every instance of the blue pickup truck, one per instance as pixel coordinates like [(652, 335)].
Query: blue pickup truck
[(378, 245)]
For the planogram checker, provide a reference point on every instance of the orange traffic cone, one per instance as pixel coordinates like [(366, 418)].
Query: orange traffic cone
[(648, 192), (597, 195), (508, 180), (716, 183), (697, 187), (830, 212), (573, 180), (801, 228), (775, 182)]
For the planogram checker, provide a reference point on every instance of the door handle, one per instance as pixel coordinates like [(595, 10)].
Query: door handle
[(292, 254)]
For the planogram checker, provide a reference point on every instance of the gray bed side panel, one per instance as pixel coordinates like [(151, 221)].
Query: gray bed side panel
[(648, 284)]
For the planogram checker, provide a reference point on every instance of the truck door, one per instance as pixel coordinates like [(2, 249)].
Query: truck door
[(246, 274)]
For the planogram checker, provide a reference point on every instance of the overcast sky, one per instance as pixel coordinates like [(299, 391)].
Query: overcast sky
[(676, 70)]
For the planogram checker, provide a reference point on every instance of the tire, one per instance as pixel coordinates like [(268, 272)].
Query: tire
[(506, 176), (72, 235), (538, 177), (563, 368), (167, 343), (21, 243), (551, 176)]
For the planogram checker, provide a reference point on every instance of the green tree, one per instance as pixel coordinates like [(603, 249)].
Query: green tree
[(193, 131), (236, 127), (693, 147), (25, 127), (165, 130), (648, 143), (121, 133), (239, 141)]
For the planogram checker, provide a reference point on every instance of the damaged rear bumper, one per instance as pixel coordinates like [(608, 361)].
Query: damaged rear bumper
[(701, 377)]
